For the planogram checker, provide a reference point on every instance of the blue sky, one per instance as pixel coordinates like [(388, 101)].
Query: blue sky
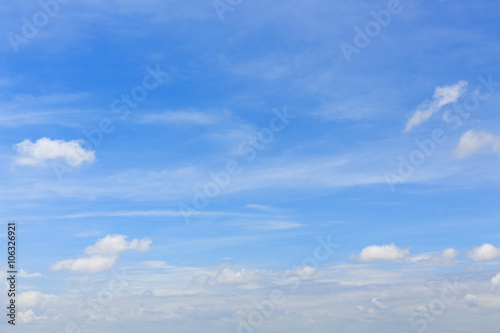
[(116, 116)]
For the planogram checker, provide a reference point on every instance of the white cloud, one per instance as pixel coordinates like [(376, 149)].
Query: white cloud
[(26, 275), (102, 256), (45, 150), (476, 141), (185, 117), (94, 264), (384, 253), (30, 299), (260, 207), (306, 272), (379, 304), (112, 246), (276, 225), (447, 256), (28, 316), (442, 96), (495, 282), (484, 252), (471, 300), (227, 275)]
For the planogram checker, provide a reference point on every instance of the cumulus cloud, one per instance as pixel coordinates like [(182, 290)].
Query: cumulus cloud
[(114, 245), (477, 141), (44, 150), (102, 256), (31, 299), (471, 300), (495, 282), (484, 252), (384, 253), (442, 96)]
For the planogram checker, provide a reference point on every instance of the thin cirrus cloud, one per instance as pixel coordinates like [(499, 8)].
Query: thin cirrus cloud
[(382, 253), (227, 275), (102, 256), (484, 252), (472, 142), (447, 256), (442, 96), (184, 117), (45, 150)]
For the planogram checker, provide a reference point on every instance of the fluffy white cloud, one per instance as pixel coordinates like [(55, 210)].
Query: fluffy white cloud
[(471, 300), (102, 256), (484, 252), (45, 150), (442, 96), (30, 299), (476, 141), (449, 254), (114, 245), (94, 264), (495, 282), (384, 253)]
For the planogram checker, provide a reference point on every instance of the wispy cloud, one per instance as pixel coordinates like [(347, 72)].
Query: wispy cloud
[(185, 117), (442, 96), (275, 225)]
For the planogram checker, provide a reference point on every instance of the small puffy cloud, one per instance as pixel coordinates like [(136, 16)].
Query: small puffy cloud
[(44, 150), (471, 300), (473, 142), (306, 272), (384, 253), (442, 96), (102, 256), (114, 245), (449, 254), (26, 275), (495, 282), (484, 252)]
